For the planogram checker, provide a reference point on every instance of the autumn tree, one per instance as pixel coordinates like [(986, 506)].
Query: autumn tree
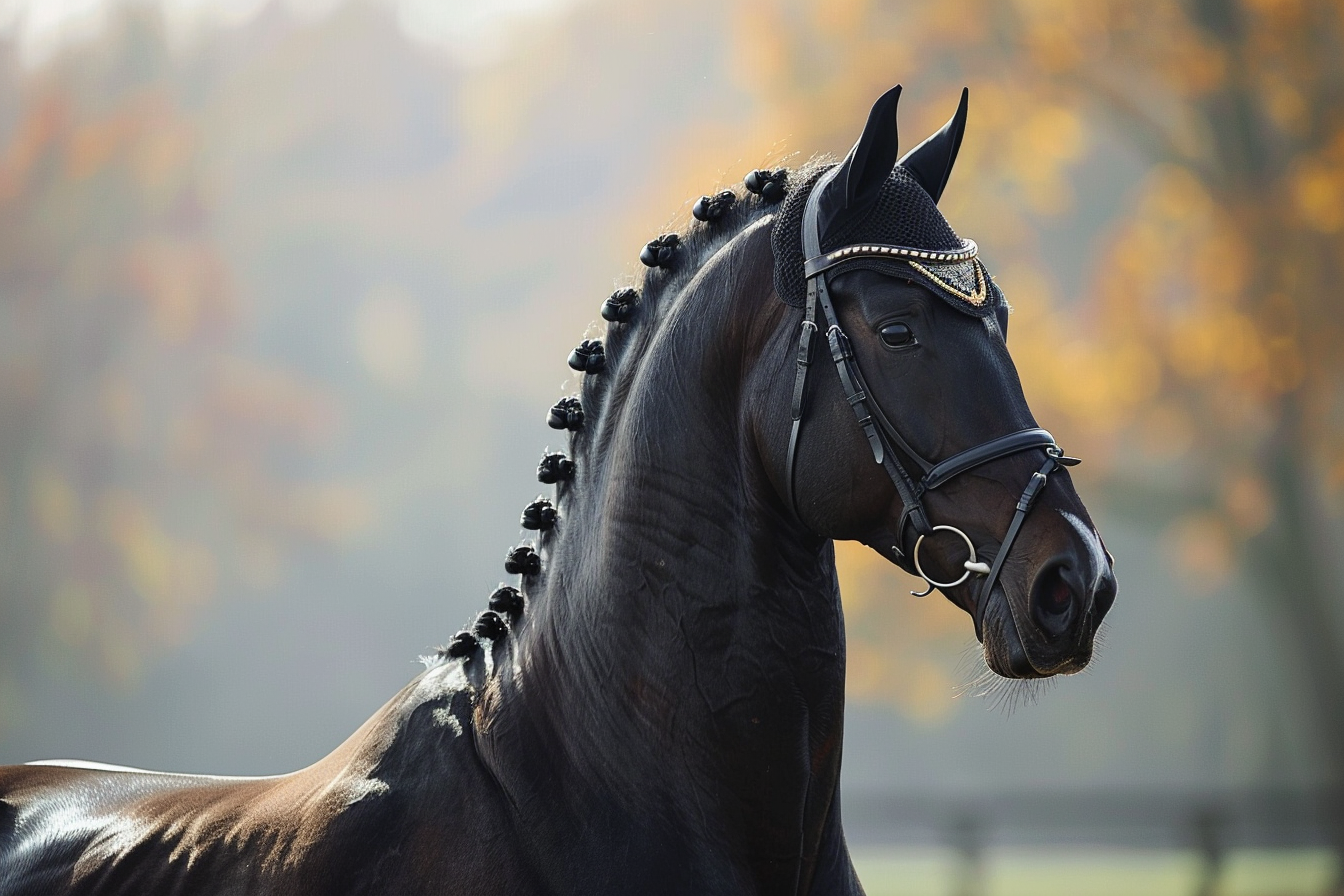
[(1198, 360), (141, 454)]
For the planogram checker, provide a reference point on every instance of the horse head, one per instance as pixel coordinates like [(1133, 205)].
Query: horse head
[(914, 436)]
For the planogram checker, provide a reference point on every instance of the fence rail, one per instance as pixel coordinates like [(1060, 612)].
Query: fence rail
[(1211, 823), (1260, 818)]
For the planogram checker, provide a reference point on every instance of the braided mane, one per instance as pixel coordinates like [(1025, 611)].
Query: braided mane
[(605, 388), (603, 395)]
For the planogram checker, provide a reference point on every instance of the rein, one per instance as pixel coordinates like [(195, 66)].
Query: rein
[(882, 435)]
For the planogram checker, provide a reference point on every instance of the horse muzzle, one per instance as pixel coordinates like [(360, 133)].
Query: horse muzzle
[(1047, 627)]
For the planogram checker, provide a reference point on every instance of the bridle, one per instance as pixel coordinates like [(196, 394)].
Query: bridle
[(880, 432)]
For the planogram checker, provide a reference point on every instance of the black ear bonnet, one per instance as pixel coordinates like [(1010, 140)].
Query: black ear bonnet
[(902, 213)]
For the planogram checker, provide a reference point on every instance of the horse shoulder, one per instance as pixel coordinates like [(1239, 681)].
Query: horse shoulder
[(404, 801), (86, 828)]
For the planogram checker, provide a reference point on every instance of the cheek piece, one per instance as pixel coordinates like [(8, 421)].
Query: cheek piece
[(883, 436)]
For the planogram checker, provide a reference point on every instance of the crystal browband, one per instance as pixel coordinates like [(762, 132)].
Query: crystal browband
[(821, 263)]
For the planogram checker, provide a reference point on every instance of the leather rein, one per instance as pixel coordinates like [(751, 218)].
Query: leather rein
[(880, 432)]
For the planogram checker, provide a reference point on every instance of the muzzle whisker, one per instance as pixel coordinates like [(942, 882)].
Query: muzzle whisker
[(971, 671)]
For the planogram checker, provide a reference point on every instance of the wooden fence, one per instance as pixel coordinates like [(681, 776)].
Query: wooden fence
[(1210, 823)]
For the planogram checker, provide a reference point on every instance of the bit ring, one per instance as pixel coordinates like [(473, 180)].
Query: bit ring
[(971, 565)]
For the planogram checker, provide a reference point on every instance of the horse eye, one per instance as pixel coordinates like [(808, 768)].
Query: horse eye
[(897, 335)]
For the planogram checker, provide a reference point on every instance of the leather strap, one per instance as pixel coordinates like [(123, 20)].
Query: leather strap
[(888, 429), (809, 329), (852, 381), (984, 453), (1035, 486), (856, 393)]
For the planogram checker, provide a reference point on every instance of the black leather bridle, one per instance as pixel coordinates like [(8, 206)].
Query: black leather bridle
[(880, 432)]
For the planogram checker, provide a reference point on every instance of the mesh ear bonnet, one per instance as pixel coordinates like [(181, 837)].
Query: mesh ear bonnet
[(905, 215)]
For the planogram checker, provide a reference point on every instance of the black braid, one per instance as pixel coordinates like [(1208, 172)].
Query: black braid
[(769, 185), (588, 357), (490, 625), (711, 208), (567, 413), (522, 560), (555, 468), (463, 644), (659, 251), (507, 601), (620, 305), (540, 514)]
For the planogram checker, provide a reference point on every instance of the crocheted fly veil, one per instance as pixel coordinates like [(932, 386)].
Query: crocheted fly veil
[(903, 213)]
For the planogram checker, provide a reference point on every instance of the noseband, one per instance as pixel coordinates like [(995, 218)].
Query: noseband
[(882, 435)]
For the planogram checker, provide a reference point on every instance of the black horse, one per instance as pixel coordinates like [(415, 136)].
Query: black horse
[(659, 708)]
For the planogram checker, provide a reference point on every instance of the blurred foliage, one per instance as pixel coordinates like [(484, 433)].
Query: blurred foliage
[(1187, 355), (142, 463), (1194, 363)]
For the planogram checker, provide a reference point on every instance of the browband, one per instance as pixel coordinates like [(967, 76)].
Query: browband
[(818, 263)]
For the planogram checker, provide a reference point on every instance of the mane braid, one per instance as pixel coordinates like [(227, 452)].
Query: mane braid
[(603, 396)]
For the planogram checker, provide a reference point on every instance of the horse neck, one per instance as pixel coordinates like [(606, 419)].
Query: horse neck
[(683, 650)]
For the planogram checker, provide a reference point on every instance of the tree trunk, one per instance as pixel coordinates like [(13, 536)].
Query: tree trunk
[(1293, 562)]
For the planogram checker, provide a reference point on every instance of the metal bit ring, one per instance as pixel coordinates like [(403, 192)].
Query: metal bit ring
[(931, 583)]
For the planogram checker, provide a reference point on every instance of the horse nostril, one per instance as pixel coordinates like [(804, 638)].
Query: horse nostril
[(1052, 599), (1058, 598), (1055, 596)]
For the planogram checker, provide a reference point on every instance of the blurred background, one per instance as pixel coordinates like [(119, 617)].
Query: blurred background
[(286, 287)]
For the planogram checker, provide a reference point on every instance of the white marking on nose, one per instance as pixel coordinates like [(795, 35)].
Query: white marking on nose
[(1096, 552)]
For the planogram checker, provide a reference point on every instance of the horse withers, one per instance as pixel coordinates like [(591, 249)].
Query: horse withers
[(656, 704)]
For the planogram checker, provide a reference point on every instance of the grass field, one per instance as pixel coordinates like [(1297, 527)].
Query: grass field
[(1023, 872)]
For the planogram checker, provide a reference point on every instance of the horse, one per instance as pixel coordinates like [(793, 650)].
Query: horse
[(657, 705)]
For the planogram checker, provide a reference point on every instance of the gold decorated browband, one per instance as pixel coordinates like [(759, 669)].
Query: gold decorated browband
[(968, 252), (819, 263)]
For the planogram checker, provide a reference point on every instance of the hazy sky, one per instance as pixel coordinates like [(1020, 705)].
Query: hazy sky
[(472, 31)]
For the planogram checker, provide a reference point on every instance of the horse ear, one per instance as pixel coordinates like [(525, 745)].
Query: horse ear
[(868, 165), (931, 161)]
